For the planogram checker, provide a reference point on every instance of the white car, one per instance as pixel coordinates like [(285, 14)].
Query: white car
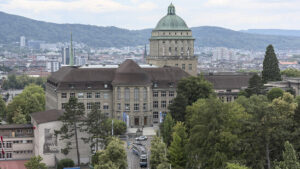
[(141, 138)]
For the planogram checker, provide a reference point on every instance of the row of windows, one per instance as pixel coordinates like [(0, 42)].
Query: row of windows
[(89, 95), (23, 152), (6, 155), (136, 94), (89, 105), (163, 104), (6, 144), (183, 66), (22, 141), (181, 33), (156, 114), (136, 106), (163, 94), (20, 131)]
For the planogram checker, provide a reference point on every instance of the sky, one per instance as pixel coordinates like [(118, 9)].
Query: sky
[(140, 14)]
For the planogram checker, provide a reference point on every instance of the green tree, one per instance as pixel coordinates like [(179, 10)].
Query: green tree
[(235, 166), (290, 159), (119, 126), (2, 108), (166, 129), (72, 117), (271, 71), (64, 163), (177, 108), (177, 150), (275, 93), (94, 125), (35, 163), (114, 156), (19, 117), (164, 165), (214, 135), (255, 86), (158, 152), (291, 72)]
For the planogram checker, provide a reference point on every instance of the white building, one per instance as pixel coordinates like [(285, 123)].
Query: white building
[(22, 41), (53, 66)]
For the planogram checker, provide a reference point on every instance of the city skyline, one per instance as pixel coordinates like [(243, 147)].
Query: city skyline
[(138, 14)]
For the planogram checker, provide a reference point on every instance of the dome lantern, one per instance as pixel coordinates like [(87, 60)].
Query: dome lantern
[(171, 9)]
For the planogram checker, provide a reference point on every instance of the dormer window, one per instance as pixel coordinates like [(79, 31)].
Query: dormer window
[(88, 86), (105, 86), (71, 86), (155, 84)]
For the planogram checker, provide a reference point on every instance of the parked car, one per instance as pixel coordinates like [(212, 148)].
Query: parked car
[(141, 138), (138, 150), (143, 160)]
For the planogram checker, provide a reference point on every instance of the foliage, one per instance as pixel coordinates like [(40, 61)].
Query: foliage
[(114, 156), (255, 86), (19, 82), (64, 163), (291, 72), (177, 108), (119, 126), (2, 107), (94, 125), (275, 93), (18, 117), (73, 115), (177, 150), (290, 160), (235, 166), (158, 152), (271, 71), (31, 100), (166, 129), (164, 165), (215, 127), (35, 163)]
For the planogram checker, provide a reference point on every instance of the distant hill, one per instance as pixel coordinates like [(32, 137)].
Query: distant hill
[(13, 26), (280, 32)]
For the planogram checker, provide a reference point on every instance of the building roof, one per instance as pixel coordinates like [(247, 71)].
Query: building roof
[(129, 73), (171, 21), (15, 126), (46, 116), (228, 81)]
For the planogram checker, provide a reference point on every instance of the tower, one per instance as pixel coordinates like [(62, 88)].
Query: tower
[(172, 44), (71, 53)]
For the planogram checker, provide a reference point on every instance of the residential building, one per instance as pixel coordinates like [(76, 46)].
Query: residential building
[(22, 41), (172, 44), (142, 92)]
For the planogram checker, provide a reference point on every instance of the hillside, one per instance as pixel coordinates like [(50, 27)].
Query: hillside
[(280, 32), (13, 26)]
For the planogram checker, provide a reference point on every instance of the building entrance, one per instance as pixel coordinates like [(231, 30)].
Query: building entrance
[(136, 121), (145, 121)]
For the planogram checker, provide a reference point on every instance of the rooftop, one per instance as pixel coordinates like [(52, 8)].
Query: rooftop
[(46, 116)]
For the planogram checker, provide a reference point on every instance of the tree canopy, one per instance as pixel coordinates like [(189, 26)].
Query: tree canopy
[(271, 71)]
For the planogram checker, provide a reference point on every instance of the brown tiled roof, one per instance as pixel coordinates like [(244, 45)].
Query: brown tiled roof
[(229, 81), (15, 126), (46, 116), (129, 73)]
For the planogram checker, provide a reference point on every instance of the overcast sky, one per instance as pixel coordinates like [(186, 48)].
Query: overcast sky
[(138, 14)]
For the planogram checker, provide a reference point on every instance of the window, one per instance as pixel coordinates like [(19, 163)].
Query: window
[(170, 101), (98, 104), (29, 141), (127, 107), (171, 93), (105, 107), (190, 67), (155, 104), (145, 93), (136, 107), (89, 106), (127, 94), (105, 95), (8, 155), (170, 50), (29, 131), (88, 95), (72, 94), (145, 106), (163, 104), (155, 94), (8, 144), (119, 93), (119, 106), (155, 85), (228, 99), (63, 105), (155, 115), (97, 95), (19, 131), (163, 94), (136, 94), (183, 66), (80, 95), (105, 86), (176, 65), (63, 95)]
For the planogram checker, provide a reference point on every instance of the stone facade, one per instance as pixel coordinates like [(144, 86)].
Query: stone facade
[(172, 44)]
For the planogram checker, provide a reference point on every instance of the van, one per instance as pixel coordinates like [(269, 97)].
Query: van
[(143, 160)]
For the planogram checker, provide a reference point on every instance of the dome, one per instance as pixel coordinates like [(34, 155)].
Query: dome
[(171, 21)]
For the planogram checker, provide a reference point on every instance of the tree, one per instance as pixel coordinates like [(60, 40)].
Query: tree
[(235, 166), (158, 152), (114, 156), (2, 107), (19, 118), (275, 93), (119, 126), (35, 163), (271, 71), (177, 150), (255, 85), (215, 127), (94, 125), (166, 129), (73, 115), (164, 165), (64, 163), (290, 160), (291, 72), (177, 108)]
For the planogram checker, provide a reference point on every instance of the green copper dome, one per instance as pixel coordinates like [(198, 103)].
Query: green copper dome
[(171, 21)]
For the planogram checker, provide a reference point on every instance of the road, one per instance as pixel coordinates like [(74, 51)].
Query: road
[(132, 159)]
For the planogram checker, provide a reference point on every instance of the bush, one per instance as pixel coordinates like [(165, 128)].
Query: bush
[(65, 163), (275, 93)]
